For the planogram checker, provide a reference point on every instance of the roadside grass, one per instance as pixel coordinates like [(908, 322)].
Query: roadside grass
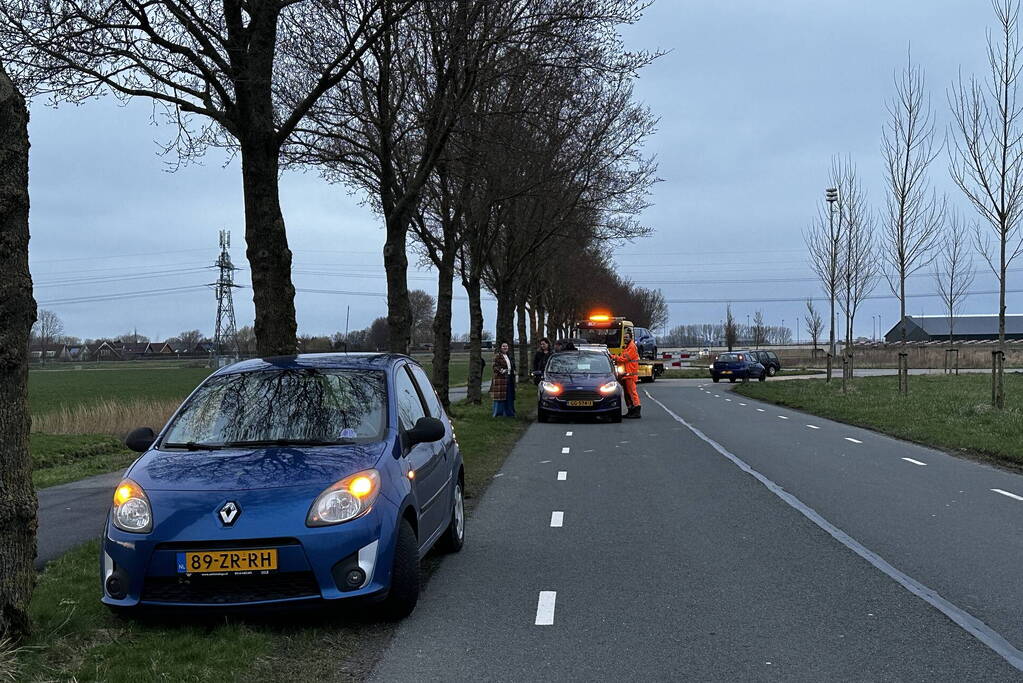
[(49, 391), (77, 639), (62, 458), (949, 412), (704, 373), (458, 369), (108, 416)]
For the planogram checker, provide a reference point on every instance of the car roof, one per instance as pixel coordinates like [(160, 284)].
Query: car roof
[(333, 361)]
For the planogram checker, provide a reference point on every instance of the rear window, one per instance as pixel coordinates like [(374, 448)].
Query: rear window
[(730, 357)]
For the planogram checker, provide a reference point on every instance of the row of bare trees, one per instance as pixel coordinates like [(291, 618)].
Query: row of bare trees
[(918, 227)]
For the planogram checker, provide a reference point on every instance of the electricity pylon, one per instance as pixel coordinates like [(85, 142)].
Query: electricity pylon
[(225, 336)]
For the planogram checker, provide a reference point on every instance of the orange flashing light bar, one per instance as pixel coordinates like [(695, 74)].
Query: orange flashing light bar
[(600, 318)]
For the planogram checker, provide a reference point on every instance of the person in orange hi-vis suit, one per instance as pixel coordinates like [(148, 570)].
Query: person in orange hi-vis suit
[(630, 358)]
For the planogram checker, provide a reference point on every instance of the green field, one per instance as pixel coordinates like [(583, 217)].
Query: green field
[(950, 412), (77, 639), (48, 390)]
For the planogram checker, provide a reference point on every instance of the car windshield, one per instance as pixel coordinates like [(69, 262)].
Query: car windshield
[(292, 406), (579, 362), (610, 338)]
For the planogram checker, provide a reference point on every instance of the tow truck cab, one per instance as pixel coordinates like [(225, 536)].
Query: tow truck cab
[(609, 331)]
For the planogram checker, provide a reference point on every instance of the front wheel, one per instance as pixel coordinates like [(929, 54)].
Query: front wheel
[(716, 379), (454, 537), (771, 371), (404, 593), (732, 380), (542, 415), (763, 377)]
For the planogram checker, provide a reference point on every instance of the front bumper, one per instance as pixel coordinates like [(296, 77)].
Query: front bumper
[(606, 404), (312, 564)]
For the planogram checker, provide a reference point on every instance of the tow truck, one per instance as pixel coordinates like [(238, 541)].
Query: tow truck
[(609, 332)]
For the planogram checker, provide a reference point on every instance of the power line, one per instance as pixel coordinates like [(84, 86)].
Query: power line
[(121, 295), (735, 300)]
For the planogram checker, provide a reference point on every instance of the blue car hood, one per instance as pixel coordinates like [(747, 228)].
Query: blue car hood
[(240, 469)]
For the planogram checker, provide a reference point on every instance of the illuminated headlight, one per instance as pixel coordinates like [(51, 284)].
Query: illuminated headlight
[(132, 511), (609, 388), (347, 499), (550, 387), (620, 369)]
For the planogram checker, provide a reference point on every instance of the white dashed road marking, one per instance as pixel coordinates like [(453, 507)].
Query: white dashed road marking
[(849, 438), (1006, 493), (813, 426), (557, 518), (742, 404), (499, 474), (915, 462), (568, 433), (545, 608), (782, 417), (565, 450), (729, 400), (760, 410), (562, 475)]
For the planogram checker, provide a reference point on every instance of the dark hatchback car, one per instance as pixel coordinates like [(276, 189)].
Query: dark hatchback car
[(736, 365), (646, 343), (578, 383), (309, 479), (769, 359)]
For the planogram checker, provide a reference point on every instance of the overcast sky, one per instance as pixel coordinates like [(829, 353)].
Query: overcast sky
[(754, 99)]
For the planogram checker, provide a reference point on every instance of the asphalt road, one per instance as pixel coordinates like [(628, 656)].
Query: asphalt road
[(725, 540)]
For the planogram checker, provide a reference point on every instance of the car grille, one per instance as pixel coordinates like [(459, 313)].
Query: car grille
[(231, 589), (580, 395)]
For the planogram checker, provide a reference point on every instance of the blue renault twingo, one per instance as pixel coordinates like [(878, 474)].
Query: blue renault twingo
[(292, 480)]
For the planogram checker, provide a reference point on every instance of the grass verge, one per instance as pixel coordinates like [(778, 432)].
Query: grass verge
[(49, 391), (77, 639), (62, 458), (949, 412)]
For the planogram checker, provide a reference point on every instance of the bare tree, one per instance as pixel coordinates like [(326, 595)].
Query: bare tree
[(228, 73), (422, 306), (912, 222), (730, 330), (953, 270), (48, 327), (18, 313), (759, 330), (858, 265), (814, 325), (986, 161)]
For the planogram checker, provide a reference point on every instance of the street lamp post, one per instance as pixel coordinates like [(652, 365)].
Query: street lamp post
[(831, 195)]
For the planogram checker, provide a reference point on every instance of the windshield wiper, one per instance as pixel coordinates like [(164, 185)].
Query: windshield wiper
[(287, 442), (194, 446)]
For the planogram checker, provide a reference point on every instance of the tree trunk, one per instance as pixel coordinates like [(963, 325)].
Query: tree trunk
[(273, 293), (505, 330), (18, 313), (442, 326), (399, 311), (524, 366), (474, 384)]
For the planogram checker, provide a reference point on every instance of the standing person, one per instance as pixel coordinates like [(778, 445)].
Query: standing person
[(630, 358), (502, 386), (540, 359)]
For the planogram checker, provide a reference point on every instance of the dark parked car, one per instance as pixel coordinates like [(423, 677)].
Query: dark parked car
[(282, 481), (736, 365), (769, 359), (579, 383), (646, 343)]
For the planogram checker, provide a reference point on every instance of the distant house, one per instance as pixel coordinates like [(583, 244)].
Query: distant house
[(926, 328), (72, 352), (134, 350), (53, 351), (102, 351), (161, 348)]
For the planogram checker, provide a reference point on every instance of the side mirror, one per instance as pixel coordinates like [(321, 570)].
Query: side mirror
[(427, 430), (140, 440)]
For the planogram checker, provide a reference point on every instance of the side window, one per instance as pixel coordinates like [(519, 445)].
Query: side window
[(426, 389), (410, 407)]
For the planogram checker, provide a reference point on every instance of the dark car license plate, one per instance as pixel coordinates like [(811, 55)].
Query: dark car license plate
[(227, 561)]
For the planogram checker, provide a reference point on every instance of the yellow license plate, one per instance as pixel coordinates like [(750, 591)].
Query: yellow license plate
[(726, 372), (580, 404), (227, 561)]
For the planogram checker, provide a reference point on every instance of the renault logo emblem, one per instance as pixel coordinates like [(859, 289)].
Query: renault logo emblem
[(229, 513)]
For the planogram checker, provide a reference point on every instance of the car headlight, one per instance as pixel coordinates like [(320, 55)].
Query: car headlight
[(347, 499), (131, 511), (550, 387), (620, 369), (609, 388)]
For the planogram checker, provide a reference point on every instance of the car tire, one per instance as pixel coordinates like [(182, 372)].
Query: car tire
[(542, 415), (731, 380), (616, 417), (646, 380), (716, 379), (771, 371), (404, 592), (454, 537), (763, 377)]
